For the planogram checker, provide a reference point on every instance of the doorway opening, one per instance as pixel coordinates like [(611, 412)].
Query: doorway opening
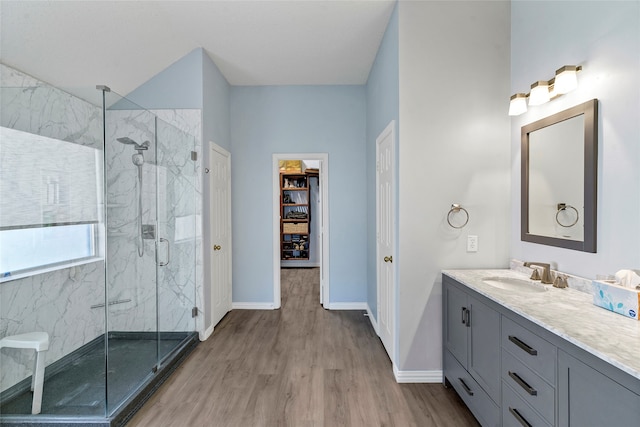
[(300, 219)]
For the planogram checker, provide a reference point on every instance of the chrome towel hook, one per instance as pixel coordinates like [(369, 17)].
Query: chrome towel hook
[(456, 208)]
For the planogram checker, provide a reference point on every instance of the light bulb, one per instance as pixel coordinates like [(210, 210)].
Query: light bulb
[(566, 79), (539, 93), (518, 104)]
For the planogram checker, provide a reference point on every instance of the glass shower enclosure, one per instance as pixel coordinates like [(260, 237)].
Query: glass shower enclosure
[(151, 231), (119, 314)]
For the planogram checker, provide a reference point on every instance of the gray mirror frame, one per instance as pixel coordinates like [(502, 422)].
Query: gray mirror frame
[(590, 111)]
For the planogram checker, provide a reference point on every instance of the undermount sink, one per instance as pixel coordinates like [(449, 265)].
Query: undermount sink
[(513, 284)]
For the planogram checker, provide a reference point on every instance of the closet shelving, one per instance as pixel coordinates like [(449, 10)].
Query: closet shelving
[(295, 216)]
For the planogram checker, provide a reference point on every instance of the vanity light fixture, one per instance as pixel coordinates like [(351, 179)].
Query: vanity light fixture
[(566, 79), (539, 93), (543, 91), (518, 104)]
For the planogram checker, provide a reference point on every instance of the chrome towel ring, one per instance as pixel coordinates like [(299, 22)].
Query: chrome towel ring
[(456, 208), (564, 207)]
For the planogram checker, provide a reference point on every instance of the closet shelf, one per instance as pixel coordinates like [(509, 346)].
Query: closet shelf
[(294, 232)]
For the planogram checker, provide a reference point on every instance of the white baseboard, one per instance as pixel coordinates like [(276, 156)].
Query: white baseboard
[(206, 334), (417, 376), (252, 306), (346, 306), (373, 320)]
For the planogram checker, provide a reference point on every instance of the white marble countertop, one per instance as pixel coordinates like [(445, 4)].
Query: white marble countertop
[(569, 314)]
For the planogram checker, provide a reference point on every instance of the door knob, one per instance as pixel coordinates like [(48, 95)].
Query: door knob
[(388, 259), (217, 247)]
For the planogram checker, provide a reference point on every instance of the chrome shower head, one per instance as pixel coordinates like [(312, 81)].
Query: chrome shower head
[(126, 140), (138, 147)]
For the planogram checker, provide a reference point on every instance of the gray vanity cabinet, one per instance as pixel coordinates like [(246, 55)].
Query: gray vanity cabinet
[(472, 352), (513, 372), (587, 397)]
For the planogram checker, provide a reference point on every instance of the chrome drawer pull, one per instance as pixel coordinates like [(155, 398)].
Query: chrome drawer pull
[(466, 387), (519, 417), (522, 383), (532, 351)]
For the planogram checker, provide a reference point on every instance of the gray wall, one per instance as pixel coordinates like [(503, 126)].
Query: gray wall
[(178, 86), (453, 148)]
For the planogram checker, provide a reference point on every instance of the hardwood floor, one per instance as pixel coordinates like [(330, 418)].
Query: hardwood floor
[(298, 366)]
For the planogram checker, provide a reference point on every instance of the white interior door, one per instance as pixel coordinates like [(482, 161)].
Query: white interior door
[(385, 237), (220, 185)]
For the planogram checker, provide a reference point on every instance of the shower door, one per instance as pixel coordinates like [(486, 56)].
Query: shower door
[(176, 237), (151, 249), (131, 215)]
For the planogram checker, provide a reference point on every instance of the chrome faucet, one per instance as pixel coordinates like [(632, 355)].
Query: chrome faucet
[(546, 272)]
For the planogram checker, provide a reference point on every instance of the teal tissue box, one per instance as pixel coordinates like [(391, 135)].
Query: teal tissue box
[(616, 298)]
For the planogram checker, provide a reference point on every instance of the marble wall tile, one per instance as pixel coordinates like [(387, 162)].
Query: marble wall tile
[(35, 107), (57, 302)]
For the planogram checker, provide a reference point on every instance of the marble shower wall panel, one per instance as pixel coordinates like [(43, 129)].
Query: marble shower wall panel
[(57, 302), (33, 106), (130, 277)]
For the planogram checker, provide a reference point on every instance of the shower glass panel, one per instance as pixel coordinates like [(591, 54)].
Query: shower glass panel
[(98, 247), (51, 250), (150, 245), (131, 284), (177, 219)]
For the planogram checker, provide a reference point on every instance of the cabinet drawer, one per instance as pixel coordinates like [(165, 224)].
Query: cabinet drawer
[(535, 352), (529, 386), (516, 412), (478, 402)]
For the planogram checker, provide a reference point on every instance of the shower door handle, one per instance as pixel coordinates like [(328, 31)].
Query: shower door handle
[(162, 264)]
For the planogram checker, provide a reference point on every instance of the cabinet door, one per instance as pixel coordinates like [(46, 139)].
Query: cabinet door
[(589, 398), (484, 347), (455, 327)]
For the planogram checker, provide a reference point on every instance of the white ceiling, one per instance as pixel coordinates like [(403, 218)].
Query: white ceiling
[(75, 45)]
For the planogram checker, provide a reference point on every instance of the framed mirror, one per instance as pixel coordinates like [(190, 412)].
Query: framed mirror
[(559, 179)]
